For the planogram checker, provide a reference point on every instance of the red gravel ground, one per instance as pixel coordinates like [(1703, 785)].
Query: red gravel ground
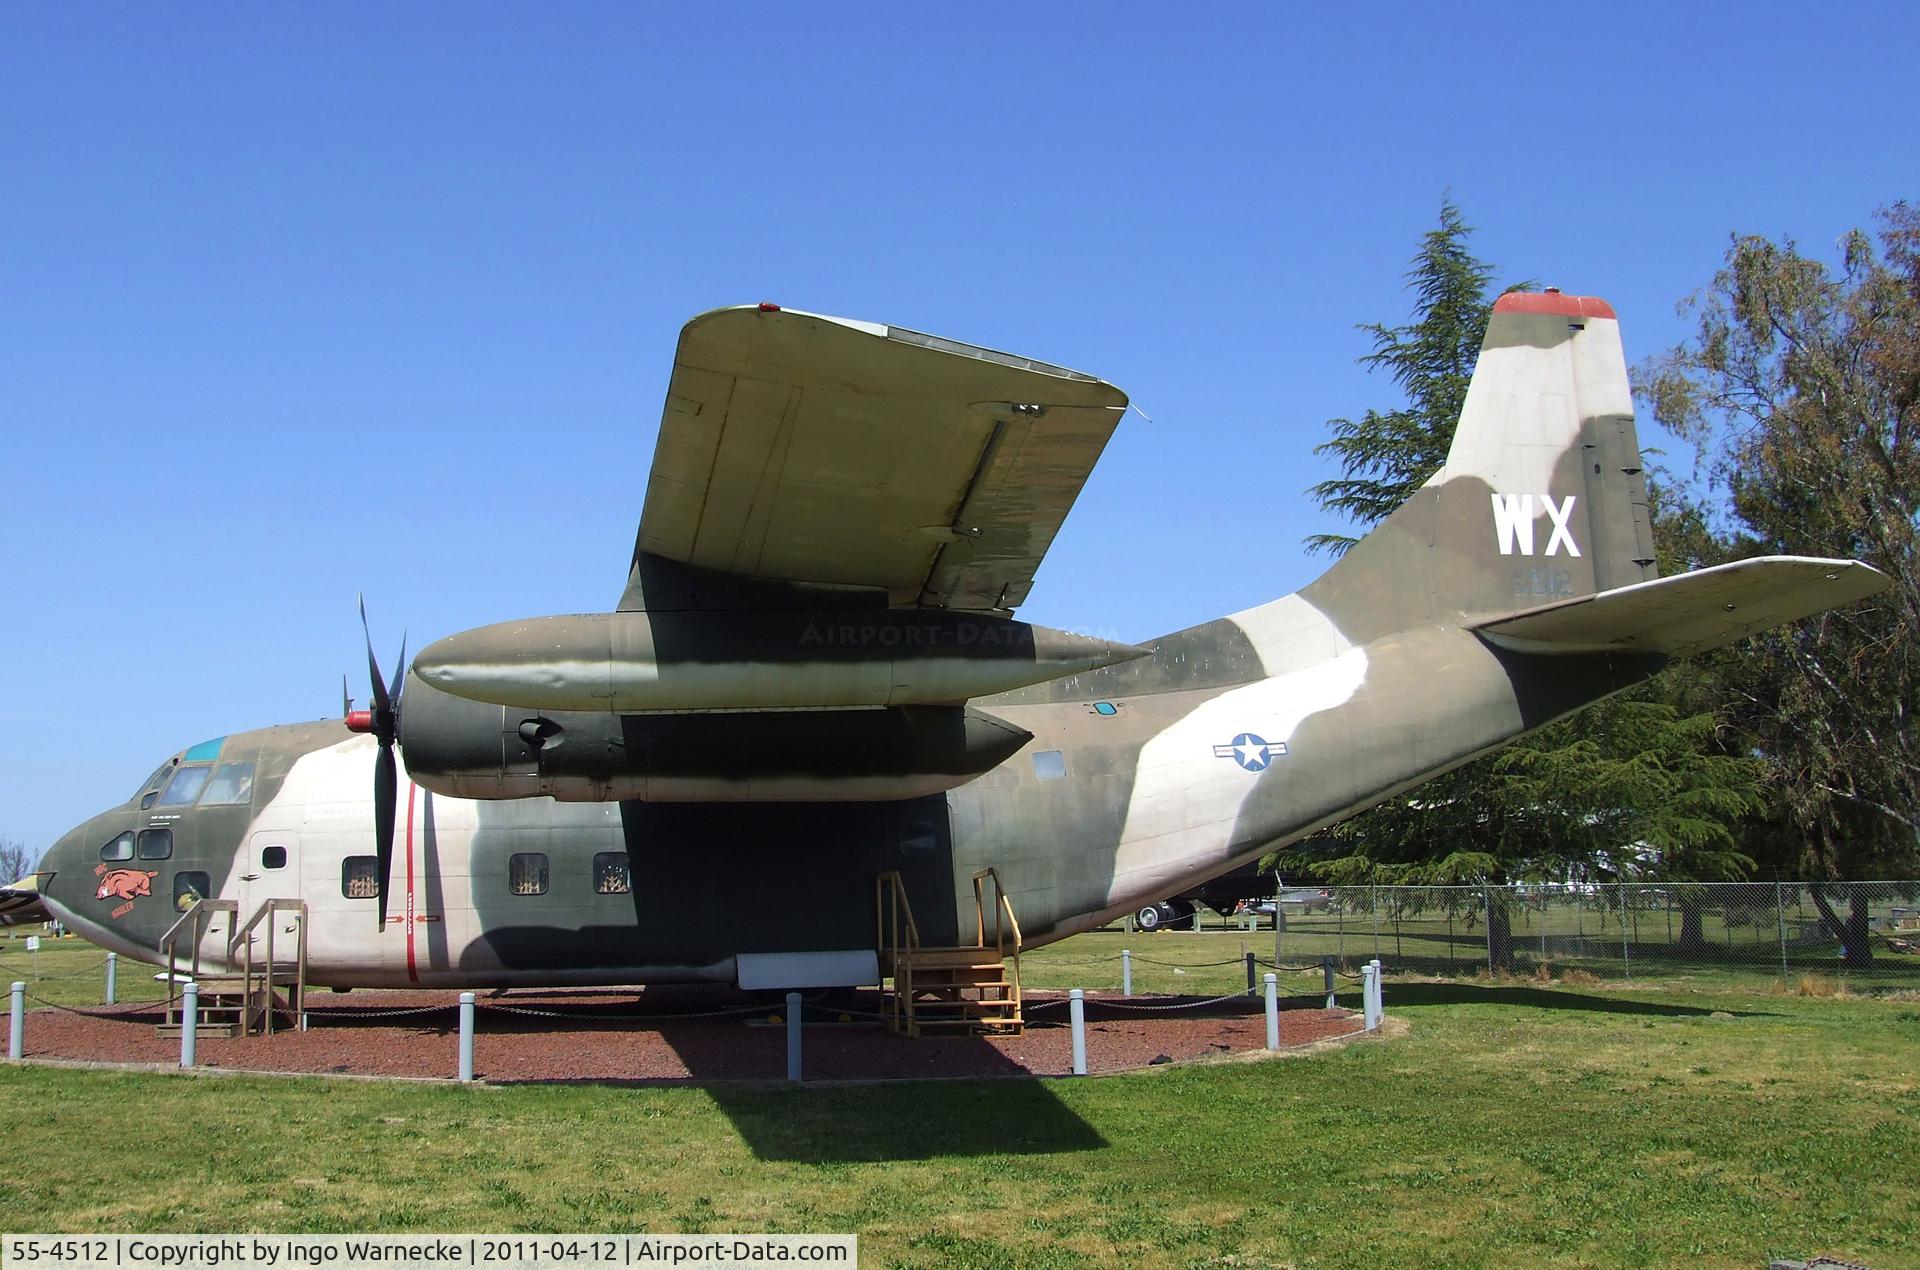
[(658, 1035)]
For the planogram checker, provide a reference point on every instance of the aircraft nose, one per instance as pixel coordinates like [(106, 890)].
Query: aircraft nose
[(62, 857)]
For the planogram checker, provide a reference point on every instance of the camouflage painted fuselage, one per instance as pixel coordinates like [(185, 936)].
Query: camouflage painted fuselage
[(1443, 633)]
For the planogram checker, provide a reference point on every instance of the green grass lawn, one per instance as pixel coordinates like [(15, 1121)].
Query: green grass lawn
[(1515, 1124)]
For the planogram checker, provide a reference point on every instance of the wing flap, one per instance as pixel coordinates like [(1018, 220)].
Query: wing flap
[(1690, 612)]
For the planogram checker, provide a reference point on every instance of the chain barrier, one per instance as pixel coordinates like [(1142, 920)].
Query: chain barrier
[(1274, 965), (1189, 965), (124, 1010), (87, 972), (535, 1012), (353, 1012), (1172, 1005)]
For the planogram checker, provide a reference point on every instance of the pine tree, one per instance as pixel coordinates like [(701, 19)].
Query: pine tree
[(1386, 455)]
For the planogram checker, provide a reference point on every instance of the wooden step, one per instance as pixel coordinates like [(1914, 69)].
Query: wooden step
[(961, 956), (959, 1021), (968, 1008), (941, 979), (202, 1029)]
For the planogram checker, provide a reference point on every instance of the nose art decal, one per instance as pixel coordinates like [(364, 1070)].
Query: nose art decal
[(125, 884)]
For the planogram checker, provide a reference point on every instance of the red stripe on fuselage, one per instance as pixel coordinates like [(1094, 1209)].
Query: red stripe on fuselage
[(413, 974)]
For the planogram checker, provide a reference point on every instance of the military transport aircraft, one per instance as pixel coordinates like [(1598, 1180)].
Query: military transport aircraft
[(814, 678)]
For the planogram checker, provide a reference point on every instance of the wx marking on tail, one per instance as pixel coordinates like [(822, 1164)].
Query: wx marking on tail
[(1513, 523)]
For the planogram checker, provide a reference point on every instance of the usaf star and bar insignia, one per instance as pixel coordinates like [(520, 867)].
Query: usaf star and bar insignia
[(1251, 752)]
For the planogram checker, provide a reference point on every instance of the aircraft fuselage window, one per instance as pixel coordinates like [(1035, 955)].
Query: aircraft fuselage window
[(146, 799), (612, 873), (273, 858), (189, 886), (233, 783), (120, 848), (360, 877), (527, 873), (1050, 765), (156, 844), (184, 787)]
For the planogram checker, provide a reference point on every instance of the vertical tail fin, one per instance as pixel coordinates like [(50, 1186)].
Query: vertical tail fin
[(1542, 497)]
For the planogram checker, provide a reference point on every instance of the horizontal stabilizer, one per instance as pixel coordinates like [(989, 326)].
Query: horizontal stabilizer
[(1690, 612)]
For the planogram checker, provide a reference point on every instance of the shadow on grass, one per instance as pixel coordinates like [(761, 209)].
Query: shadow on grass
[(921, 1120), (1418, 994)]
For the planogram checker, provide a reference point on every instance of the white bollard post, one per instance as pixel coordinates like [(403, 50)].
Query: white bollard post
[(466, 1037), (189, 1023), (1273, 1012), (1379, 991), (113, 976), (17, 1023), (1077, 1012), (1126, 972), (793, 1036)]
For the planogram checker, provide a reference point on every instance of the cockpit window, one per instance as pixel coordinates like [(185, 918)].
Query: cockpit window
[(232, 783), (152, 784), (156, 844), (184, 787), (120, 848)]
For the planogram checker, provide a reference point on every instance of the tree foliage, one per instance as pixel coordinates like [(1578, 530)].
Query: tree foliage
[(14, 860), (1627, 789), (1386, 455), (1800, 388)]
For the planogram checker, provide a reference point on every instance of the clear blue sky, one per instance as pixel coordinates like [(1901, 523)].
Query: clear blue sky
[(298, 301)]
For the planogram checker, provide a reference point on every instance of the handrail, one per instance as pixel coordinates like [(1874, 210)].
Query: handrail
[(895, 958), (197, 917), (275, 905), (297, 1000), (1002, 908), (888, 933)]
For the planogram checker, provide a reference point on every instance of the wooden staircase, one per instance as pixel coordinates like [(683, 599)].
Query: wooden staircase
[(970, 989), (247, 994)]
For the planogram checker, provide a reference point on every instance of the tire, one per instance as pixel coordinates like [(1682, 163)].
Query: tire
[(1149, 919)]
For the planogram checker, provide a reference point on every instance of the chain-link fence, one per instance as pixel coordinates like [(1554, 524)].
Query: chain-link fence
[(1866, 934)]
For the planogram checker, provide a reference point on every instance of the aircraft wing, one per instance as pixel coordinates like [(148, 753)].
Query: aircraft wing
[(812, 449), (20, 902), (1690, 612)]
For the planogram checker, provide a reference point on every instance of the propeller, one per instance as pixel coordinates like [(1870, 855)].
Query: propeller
[(384, 722)]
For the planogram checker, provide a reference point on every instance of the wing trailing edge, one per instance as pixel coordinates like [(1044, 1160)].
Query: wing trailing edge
[(1690, 612)]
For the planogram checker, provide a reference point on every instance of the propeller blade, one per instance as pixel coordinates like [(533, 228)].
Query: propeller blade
[(384, 793), (381, 702), (346, 698), (399, 683)]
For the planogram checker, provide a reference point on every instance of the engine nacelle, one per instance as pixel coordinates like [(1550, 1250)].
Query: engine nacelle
[(782, 659), (471, 749)]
